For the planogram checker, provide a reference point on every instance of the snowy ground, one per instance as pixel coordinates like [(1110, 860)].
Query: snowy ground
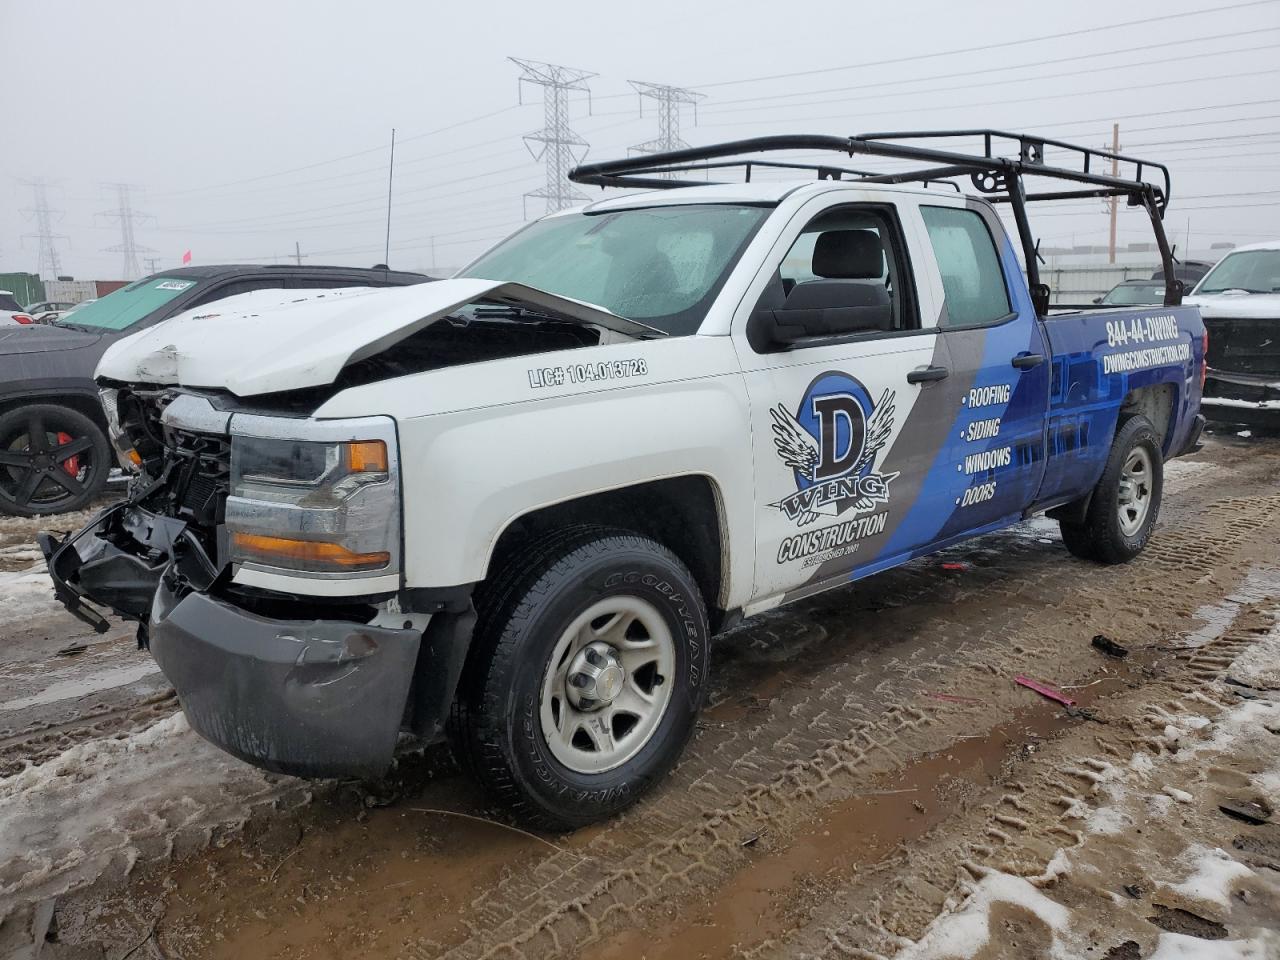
[(1158, 819)]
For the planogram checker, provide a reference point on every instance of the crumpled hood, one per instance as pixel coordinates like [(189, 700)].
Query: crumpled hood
[(273, 340), (38, 338), (1242, 306)]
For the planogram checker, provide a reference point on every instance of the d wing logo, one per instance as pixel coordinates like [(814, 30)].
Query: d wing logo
[(832, 443)]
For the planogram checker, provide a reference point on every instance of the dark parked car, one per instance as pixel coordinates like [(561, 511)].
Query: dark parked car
[(54, 451), (1133, 293)]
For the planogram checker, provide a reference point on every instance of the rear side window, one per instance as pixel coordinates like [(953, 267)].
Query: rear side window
[(8, 303), (972, 280)]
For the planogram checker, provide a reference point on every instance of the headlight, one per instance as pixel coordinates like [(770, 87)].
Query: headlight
[(323, 507), (125, 454)]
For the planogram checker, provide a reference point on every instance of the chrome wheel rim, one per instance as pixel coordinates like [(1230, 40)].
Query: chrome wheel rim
[(1136, 485), (607, 684)]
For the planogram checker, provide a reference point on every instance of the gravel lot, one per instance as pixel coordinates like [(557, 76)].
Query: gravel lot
[(869, 781)]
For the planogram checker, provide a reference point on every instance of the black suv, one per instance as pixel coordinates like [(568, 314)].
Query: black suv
[(54, 452)]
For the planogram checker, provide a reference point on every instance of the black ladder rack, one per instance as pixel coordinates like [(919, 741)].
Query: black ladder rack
[(998, 177)]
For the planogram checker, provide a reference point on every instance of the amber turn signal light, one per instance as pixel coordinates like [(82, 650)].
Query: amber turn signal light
[(366, 456), (306, 554)]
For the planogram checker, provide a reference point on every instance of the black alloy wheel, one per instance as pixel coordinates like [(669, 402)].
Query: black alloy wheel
[(52, 460)]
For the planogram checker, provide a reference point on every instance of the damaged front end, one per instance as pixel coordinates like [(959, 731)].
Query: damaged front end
[(233, 537), (1243, 380)]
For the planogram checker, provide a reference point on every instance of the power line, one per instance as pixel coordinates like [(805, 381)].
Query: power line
[(1035, 99), (718, 111), (986, 48), (558, 140)]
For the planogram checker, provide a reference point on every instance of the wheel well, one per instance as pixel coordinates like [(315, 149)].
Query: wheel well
[(91, 407), (681, 513), (1156, 404)]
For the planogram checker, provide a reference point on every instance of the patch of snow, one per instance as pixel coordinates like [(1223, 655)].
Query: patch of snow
[(963, 933), (84, 684), (1176, 946), (1245, 433), (1180, 795), (65, 821), (1108, 821), (25, 594), (1259, 664), (1215, 873)]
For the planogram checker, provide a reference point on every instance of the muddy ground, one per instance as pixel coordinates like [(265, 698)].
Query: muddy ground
[(868, 781)]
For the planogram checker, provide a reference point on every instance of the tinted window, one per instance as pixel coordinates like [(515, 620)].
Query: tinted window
[(972, 280), (128, 305), (658, 265), (8, 303)]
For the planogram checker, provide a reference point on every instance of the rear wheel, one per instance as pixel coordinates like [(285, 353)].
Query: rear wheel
[(52, 460), (1126, 501), (588, 668)]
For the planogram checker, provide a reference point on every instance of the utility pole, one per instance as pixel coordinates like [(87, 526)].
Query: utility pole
[(391, 172), (49, 264), (559, 142), (1115, 172), (297, 252), (669, 100), (128, 247)]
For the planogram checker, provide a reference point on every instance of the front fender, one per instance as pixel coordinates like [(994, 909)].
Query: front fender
[(472, 473)]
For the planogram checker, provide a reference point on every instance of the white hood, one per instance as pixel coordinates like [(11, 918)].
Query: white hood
[(1237, 306), (272, 340)]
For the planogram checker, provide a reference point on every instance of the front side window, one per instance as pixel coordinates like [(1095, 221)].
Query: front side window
[(972, 280), (844, 275), (128, 305), (1249, 271), (661, 266)]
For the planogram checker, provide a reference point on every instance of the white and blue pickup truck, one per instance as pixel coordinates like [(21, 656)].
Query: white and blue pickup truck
[(514, 506)]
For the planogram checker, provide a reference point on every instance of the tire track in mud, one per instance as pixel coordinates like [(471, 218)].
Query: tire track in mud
[(1037, 811), (839, 731), (39, 742)]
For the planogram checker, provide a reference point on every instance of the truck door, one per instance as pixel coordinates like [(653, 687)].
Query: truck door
[(999, 356), (843, 425)]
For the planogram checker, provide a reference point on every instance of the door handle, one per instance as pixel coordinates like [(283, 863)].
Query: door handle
[(1025, 361), (927, 374)]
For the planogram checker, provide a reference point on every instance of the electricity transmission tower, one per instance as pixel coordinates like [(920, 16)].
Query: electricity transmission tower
[(559, 144), (669, 100), (128, 247), (50, 264)]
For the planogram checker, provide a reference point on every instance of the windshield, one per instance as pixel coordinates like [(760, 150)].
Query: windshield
[(1136, 293), (1257, 271), (657, 265), (126, 306)]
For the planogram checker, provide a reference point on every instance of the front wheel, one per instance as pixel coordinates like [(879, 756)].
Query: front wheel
[(1126, 500), (587, 671)]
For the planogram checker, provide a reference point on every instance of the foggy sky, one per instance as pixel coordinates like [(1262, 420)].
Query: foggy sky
[(226, 116)]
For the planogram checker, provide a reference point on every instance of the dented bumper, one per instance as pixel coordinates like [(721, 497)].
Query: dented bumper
[(315, 698)]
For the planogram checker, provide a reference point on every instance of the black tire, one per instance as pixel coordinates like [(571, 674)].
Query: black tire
[(1101, 537), (524, 613), (62, 469)]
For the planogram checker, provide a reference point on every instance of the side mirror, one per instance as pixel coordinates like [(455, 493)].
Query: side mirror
[(770, 330), (1097, 299)]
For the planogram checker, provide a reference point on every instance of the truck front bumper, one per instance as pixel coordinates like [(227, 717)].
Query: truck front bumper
[(314, 698), (1247, 398)]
